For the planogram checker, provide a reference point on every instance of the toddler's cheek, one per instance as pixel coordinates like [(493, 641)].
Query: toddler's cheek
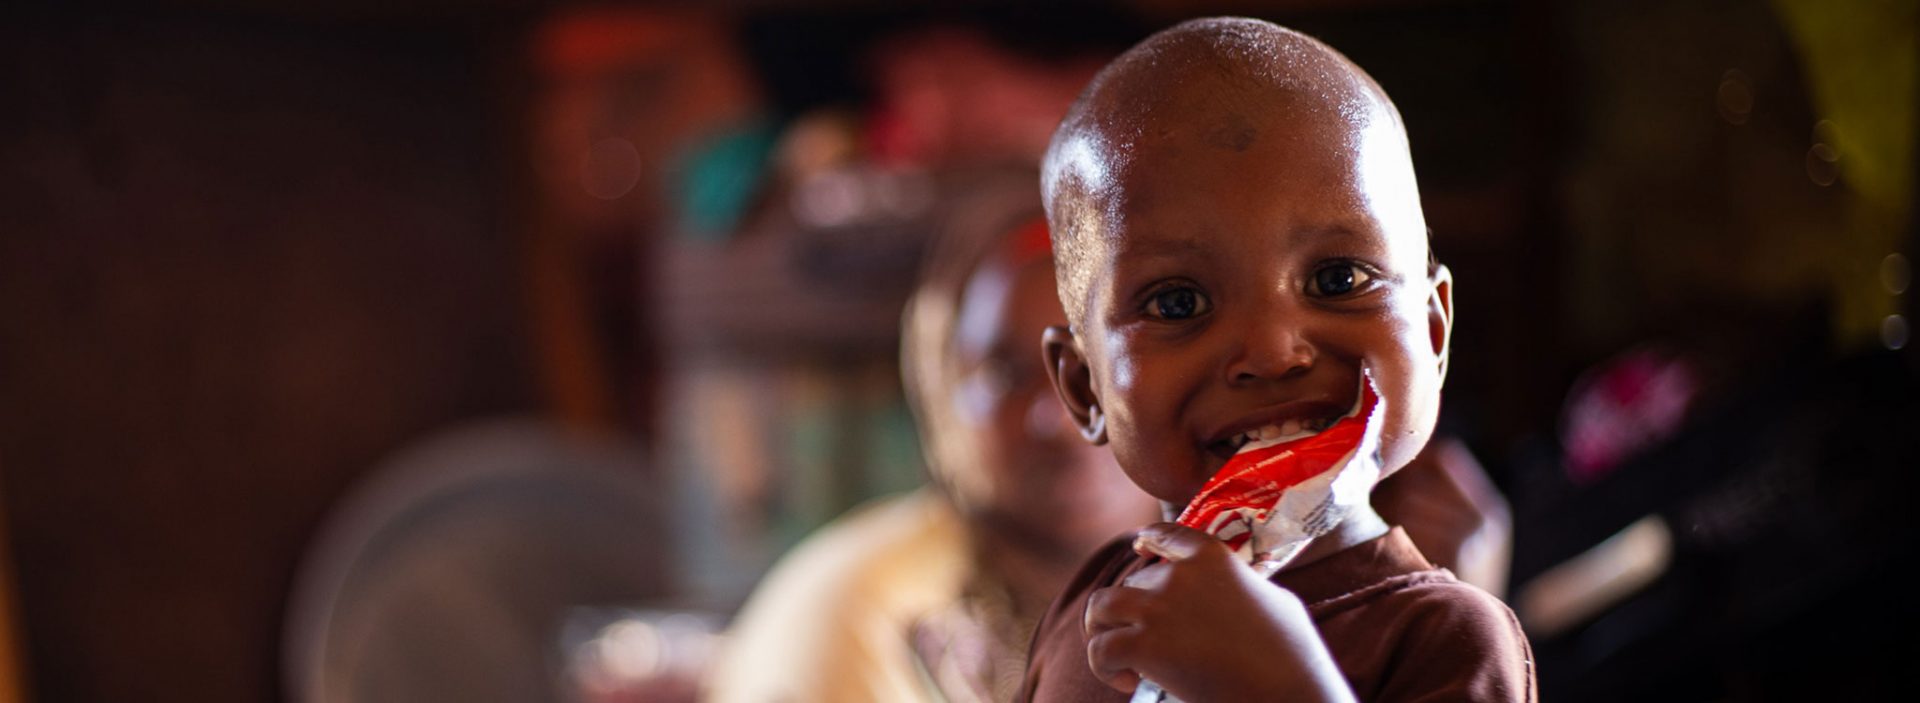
[(1411, 393)]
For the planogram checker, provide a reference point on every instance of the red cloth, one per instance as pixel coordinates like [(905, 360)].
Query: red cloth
[(1399, 628)]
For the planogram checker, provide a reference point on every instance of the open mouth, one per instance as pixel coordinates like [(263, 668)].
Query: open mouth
[(1269, 435), (1287, 429)]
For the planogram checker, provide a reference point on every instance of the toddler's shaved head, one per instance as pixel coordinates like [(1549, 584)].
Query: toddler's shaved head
[(1222, 80)]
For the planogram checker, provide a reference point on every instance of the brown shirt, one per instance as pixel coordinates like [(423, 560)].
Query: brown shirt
[(1399, 628)]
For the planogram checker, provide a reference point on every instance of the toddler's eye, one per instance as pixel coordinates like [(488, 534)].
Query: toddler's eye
[(1178, 304), (1338, 279)]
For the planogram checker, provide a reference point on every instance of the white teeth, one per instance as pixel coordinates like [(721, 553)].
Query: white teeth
[(1287, 429)]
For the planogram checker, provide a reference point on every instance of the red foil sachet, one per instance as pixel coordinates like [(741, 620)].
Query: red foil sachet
[(1274, 496)]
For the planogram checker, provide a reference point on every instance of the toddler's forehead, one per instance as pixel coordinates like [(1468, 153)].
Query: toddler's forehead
[(1343, 166), (1179, 204), (1198, 122)]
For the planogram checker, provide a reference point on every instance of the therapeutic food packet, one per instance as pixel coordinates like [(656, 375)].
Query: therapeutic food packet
[(1275, 496)]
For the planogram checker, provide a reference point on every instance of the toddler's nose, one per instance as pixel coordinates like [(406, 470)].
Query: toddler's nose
[(1271, 352)]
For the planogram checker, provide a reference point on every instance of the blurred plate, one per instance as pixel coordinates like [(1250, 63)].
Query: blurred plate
[(449, 573)]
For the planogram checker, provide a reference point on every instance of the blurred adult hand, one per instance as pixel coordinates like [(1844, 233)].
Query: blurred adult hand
[(1453, 513)]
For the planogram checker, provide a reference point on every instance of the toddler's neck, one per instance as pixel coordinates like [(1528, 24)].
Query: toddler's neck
[(1362, 525)]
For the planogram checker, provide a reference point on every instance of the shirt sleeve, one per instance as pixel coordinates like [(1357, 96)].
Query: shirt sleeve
[(1057, 658), (1459, 643)]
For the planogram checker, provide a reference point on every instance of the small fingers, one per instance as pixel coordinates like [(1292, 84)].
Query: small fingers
[(1113, 607), (1114, 632), (1111, 654)]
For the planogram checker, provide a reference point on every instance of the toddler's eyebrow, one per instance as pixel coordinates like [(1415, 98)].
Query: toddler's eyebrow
[(1163, 247)]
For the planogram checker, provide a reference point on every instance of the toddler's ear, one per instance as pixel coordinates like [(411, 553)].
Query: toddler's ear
[(1073, 382), (1440, 315)]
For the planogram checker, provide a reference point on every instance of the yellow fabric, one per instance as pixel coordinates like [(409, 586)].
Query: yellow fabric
[(1861, 59), (830, 622)]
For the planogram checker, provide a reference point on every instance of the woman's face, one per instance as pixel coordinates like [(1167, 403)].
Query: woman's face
[(1026, 469)]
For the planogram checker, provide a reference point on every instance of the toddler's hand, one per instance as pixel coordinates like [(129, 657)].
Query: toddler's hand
[(1205, 627)]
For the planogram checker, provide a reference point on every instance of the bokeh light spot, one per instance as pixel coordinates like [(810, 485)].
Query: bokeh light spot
[(1735, 97), (1896, 273), (1894, 332)]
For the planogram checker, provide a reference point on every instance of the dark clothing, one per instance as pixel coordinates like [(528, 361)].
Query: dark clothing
[(1399, 628)]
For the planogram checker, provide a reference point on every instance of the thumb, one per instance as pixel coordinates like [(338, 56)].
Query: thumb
[(1172, 542)]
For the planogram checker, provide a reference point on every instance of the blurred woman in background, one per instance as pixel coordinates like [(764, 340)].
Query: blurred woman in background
[(933, 595)]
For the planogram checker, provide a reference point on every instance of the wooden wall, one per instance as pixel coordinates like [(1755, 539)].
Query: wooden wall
[(241, 258)]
